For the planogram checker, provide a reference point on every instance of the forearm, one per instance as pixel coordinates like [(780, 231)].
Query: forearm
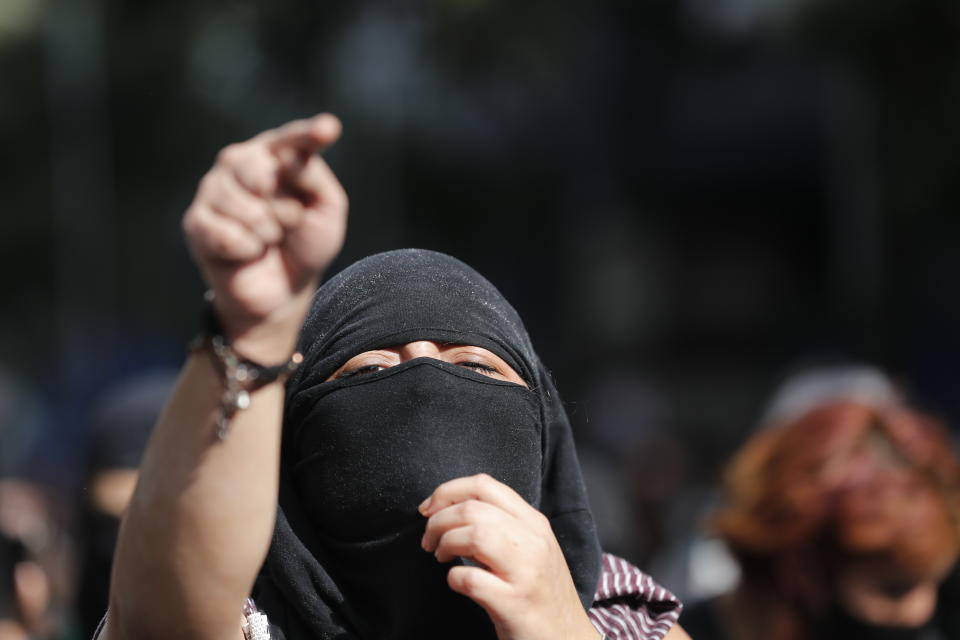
[(200, 522), (267, 219)]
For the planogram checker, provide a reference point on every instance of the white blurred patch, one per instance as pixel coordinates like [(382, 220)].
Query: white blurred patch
[(712, 569), (820, 386)]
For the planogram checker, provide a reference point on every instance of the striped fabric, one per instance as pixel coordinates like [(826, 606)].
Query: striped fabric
[(630, 605)]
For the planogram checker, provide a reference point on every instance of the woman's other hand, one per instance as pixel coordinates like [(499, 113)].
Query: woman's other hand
[(523, 582), (266, 221)]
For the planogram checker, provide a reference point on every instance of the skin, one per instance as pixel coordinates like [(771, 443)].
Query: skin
[(24, 517), (12, 630), (476, 359), (881, 594), (111, 490), (266, 222)]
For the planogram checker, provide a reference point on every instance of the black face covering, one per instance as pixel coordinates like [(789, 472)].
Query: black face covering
[(360, 454), (354, 463)]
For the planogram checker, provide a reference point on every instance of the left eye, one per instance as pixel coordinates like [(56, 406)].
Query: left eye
[(478, 366)]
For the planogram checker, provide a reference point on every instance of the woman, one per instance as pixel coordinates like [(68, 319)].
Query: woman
[(416, 376), (845, 520)]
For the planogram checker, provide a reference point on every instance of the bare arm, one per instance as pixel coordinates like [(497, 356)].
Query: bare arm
[(676, 633), (268, 218)]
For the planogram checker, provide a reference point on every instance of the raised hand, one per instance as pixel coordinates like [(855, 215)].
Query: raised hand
[(524, 583), (266, 221)]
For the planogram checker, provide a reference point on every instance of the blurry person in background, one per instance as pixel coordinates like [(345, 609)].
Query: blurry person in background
[(24, 581), (844, 521), (120, 429), (818, 386), (27, 527)]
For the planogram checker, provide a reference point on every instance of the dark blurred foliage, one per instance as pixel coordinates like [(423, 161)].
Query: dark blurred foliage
[(699, 193)]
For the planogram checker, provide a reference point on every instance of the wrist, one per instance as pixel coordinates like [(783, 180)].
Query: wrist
[(268, 339), (240, 362)]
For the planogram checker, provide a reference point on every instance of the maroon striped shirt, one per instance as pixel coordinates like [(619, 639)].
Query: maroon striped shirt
[(630, 605)]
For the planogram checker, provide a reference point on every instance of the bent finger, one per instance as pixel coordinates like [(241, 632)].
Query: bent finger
[(461, 515), (503, 550), (212, 235), (230, 200), (313, 182), (288, 210), (477, 487), (484, 588), (257, 171)]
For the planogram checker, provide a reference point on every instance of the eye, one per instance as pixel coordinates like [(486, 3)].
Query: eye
[(478, 366), (362, 370), (366, 363), (482, 361)]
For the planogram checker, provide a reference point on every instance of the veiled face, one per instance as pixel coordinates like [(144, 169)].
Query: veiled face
[(477, 359), (382, 413)]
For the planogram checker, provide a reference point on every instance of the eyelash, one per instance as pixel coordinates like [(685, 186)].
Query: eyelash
[(365, 369), (479, 366)]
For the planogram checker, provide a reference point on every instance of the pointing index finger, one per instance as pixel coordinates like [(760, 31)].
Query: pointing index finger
[(304, 137)]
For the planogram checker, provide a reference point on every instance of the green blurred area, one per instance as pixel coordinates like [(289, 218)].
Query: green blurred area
[(698, 191)]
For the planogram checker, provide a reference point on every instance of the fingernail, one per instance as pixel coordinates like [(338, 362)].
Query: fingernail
[(425, 505)]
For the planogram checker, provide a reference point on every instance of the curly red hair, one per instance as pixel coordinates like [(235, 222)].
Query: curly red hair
[(842, 483)]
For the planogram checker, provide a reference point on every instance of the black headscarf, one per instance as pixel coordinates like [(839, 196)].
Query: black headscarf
[(336, 581)]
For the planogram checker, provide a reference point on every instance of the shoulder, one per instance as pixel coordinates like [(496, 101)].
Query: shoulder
[(629, 605)]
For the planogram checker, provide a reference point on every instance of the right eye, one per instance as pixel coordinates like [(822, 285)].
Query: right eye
[(366, 363)]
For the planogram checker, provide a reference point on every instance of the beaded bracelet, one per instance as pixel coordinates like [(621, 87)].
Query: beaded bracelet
[(240, 376), (255, 623)]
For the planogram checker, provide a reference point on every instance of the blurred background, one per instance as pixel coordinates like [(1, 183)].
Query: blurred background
[(687, 200)]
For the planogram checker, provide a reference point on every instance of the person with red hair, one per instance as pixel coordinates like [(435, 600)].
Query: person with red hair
[(844, 520)]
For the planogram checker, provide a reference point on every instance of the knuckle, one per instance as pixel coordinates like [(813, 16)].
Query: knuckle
[(253, 214), (469, 582), (222, 242), (194, 222), (189, 222), (471, 509), (230, 154), (210, 177), (209, 185), (229, 241), (483, 479), (479, 537)]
